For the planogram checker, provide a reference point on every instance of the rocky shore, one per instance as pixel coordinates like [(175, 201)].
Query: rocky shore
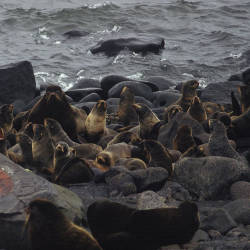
[(212, 170)]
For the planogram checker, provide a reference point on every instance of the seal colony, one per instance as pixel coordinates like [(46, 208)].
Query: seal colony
[(65, 144)]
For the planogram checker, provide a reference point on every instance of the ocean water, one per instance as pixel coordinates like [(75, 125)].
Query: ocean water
[(206, 40)]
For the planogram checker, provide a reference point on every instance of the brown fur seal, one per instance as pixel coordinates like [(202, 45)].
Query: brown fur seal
[(236, 109), (165, 226), (87, 150), (244, 97), (183, 139), (148, 121), (218, 144), (188, 93), (212, 107), (171, 111), (56, 132), (159, 155), (131, 163), (105, 229), (126, 112), (25, 143), (20, 120), (108, 157), (127, 137), (48, 228), (54, 105), (95, 123), (195, 151), (241, 124), (6, 118), (197, 111), (42, 147), (69, 169)]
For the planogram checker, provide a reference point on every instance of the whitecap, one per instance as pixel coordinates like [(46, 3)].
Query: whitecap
[(136, 76), (236, 56)]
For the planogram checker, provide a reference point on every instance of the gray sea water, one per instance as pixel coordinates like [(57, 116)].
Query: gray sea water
[(207, 40)]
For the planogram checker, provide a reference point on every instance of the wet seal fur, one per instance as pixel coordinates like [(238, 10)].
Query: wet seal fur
[(48, 228), (197, 110), (6, 117)]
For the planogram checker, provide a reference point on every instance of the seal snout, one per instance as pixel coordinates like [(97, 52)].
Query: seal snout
[(101, 105)]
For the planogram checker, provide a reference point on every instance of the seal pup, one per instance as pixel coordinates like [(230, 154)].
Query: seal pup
[(159, 155), (42, 147), (183, 139), (149, 123), (197, 110), (165, 226), (54, 104), (69, 169), (126, 113), (48, 228), (102, 227), (6, 117), (218, 144), (56, 132), (188, 91)]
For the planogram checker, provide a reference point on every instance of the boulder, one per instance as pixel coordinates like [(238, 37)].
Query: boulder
[(165, 98), (209, 177), (242, 77), (17, 82), (161, 82), (218, 220), (86, 83), (93, 97), (239, 210), (200, 235), (17, 188), (112, 47), (220, 92), (78, 94), (240, 190), (138, 88)]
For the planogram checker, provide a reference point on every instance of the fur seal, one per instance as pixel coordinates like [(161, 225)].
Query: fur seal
[(69, 169), (212, 107), (25, 143), (126, 113), (194, 151), (218, 144), (20, 120), (244, 97), (48, 228), (188, 93), (171, 111), (165, 226), (54, 104), (132, 163), (159, 155), (105, 229), (6, 117), (149, 123), (241, 124), (197, 111), (183, 139), (127, 137), (56, 132), (235, 105), (42, 147), (95, 123)]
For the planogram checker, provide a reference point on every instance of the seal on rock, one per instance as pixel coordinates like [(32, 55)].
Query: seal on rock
[(6, 117), (197, 111), (149, 123), (48, 228), (127, 137), (183, 139), (165, 226), (54, 104), (170, 112), (126, 113), (69, 169), (244, 97), (159, 155), (218, 144)]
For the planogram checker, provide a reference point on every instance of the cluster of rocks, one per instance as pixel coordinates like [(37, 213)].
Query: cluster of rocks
[(217, 181)]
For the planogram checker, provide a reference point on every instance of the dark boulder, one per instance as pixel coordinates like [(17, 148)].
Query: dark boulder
[(161, 82), (86, 83), (242, 77), (17, 82), (138, 88), (93, 97), (113, 47), (17, 188), (165, 98), (78, 94)]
